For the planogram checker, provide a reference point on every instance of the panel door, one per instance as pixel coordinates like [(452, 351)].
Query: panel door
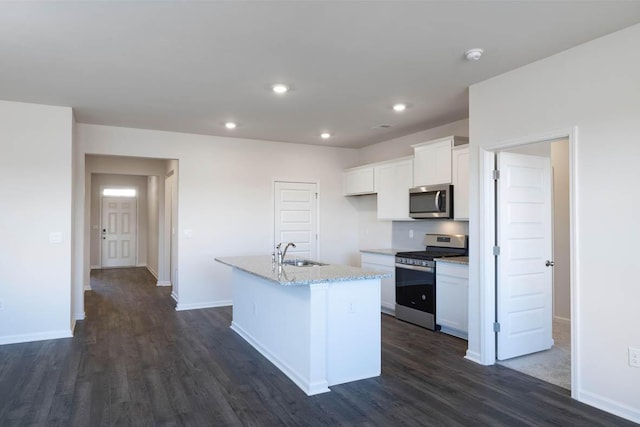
[(119, 232), (296, 218), (524, 235)]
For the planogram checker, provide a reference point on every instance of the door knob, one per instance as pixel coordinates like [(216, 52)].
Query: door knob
[(549, 263)]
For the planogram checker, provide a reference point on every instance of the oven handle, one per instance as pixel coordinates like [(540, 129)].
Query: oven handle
[(416, 267), (438, 201)]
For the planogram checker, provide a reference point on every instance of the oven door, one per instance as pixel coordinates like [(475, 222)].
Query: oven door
[(416, 287)]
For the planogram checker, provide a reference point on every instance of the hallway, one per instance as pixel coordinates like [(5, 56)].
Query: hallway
[(136, 361)]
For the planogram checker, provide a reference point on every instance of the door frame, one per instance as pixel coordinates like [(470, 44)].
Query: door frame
[(273, 204), (102, 187), (486, 237)]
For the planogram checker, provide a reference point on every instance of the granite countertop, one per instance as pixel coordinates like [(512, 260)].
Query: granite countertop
[(261, 266), (455, 259), (386, 251)]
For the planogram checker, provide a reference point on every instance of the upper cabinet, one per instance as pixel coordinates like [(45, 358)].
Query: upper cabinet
[(358, 181), (460, 163), (393, 181), (432, 163)]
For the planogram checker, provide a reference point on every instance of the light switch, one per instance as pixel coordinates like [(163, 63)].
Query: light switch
[(55, 237), (188, 233)]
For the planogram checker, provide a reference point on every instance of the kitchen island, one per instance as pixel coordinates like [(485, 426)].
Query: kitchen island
[(319, 324)]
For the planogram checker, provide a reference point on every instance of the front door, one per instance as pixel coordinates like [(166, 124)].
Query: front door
[(296, 218), (524, 237), (119, 235)]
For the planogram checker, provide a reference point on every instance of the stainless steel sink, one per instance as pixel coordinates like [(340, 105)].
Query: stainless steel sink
[(302, 263)]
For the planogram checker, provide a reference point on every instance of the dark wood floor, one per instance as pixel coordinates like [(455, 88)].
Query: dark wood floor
[(136, 361)]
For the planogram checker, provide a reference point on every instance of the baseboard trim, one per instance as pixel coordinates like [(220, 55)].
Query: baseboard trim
[(95, 267), (562, 319), (80, 316), (608, 405), (38, 336), (308, 387), (87, 288), (163, 283), (152, 271), (474, 357), (385, 309), (174, 296), (141, 265), (199, 305)]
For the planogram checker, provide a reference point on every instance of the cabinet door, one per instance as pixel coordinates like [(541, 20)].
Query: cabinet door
[(433, 163), (358, 181), (385, 264), (452, 299), (461, 183), (393, 181)]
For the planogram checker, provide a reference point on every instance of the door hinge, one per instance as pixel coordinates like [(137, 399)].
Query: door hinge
[(496, 326), (496, 175), (496, 250)]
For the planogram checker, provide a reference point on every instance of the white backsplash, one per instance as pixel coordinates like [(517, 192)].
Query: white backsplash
[(401, 230)]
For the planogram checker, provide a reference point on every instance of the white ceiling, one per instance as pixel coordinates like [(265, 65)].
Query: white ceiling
[(191, 66)]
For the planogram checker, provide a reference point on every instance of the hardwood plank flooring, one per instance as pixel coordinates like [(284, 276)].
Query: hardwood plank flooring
[(136, 361)]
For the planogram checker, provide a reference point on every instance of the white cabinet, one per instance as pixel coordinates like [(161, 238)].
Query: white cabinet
[(358, 181), (393, 181), (385, 264), (452, 298), (460, 162), (433, 160)]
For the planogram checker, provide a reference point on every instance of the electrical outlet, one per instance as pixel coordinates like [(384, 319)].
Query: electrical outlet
[(634, 357), (351, 308)]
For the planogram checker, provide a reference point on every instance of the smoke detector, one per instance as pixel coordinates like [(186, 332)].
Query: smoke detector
[(473, 54)]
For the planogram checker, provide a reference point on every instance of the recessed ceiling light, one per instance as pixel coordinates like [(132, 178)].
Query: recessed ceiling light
[(230, 125), (399, 107), (473, 54), (325, 135), (280, 88)]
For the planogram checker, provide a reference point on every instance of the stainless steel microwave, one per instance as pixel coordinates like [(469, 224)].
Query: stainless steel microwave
[(433, 201)]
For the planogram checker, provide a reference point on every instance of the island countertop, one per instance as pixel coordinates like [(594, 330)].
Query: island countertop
[(261, 266)]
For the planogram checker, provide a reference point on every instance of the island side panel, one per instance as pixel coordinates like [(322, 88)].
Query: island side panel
[(353, 331), (276, 320)]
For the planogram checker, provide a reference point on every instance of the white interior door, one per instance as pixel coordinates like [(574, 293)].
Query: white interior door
[(119, 219), (296, 218), (524, 236)]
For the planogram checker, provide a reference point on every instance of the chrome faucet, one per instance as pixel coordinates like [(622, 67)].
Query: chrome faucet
[(282, 254)]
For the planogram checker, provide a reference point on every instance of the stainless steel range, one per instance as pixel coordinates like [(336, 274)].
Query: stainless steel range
[(416, 278)]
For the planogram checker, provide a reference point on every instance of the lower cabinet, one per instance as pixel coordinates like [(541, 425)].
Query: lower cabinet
[(385, 264), (452, 298)]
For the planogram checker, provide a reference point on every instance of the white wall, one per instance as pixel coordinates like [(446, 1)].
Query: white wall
[(225, 198), (595, 87), (153, 225), (98, 181), (36, 194)]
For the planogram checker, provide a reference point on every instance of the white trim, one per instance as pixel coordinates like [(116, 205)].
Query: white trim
[(165, 283), (562, 319), (140, 265), (152, 271), (487, 223), (389, 309), (95, 267), (608, 405), (174, 295), (474, 357), (487, 267), (38, 336), (310, 388), (87, 287), (79, 316), (73, 326), (199, 305)]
